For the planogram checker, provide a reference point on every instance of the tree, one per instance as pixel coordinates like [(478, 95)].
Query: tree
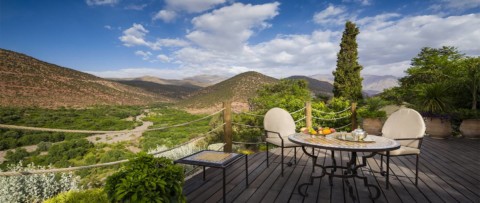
[(434, 73), (431, 65), (469, 76), (348, 83)]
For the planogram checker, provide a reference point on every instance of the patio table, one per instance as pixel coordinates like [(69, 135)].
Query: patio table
[(374, 145), (214, 159)]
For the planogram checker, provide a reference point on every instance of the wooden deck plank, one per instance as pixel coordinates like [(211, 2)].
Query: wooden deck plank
[(287, 190), (387, 195), (448, 172), (265, 186), (454, 160)]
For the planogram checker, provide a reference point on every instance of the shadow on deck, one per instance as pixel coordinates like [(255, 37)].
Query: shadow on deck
[(448, 172)]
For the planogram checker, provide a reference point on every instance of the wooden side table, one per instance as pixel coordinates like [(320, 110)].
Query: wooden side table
[(214, 159)]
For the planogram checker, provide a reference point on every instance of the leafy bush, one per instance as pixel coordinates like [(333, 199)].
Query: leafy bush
[(59, 154), (372, 107), (146, 179), (467, 114), (35, 187), (43, 146), (95, 118), (81, 196), (17, 155), (164, 116)]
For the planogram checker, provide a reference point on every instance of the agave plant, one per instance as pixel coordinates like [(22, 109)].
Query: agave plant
[(433, 98)]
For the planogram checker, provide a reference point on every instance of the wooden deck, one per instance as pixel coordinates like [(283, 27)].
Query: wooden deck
[(449, 172)]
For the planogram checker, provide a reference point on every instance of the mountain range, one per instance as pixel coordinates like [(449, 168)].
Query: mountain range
[(371, 84), (26, 81)]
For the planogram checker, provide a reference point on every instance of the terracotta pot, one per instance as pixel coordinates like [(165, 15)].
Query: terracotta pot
[(470, 128), (438, 128), (373, 126)]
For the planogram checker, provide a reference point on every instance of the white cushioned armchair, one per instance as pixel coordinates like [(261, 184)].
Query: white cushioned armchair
[(407, 127), (278, 125)]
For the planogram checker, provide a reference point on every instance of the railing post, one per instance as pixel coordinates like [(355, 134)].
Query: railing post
[(354, 116), (227, 128), (308, 114)]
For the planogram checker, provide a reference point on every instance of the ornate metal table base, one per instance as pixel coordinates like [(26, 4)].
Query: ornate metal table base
[(349, 171)]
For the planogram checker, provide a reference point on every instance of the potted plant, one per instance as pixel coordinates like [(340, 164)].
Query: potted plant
[(372, 116), (470, 126), (434, 101)]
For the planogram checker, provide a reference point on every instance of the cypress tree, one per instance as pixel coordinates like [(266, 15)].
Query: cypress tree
[(347, 82)]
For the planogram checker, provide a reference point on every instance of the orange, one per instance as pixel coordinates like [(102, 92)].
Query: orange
[(326, 131)]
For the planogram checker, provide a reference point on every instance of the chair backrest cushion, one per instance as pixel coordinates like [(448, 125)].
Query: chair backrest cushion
[(404, 123), (279, 120)]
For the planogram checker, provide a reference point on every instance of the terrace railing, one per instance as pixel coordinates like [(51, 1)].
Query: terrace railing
[(226, 112)]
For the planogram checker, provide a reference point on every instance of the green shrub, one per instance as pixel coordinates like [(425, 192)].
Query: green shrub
[(43, 146), (371, 108), (59, 154), (82, 196), (146, 179), (467, 114), (17, 155)]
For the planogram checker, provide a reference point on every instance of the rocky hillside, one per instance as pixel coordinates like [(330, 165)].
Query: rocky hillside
[(238, 89), (26, 81), (316, 86), (174, 91), (205, 80)]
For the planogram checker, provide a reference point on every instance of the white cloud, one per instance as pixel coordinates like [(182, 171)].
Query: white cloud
[(365, 2), (172, 42), (386, 41), (165, 16), (461, 4), (362, 2), (332, 15), (101, 2), (229, 28), (144, 54), (136, 7), (163, 58), (220, 42), (134, 36), (108, 27), (192, 6)]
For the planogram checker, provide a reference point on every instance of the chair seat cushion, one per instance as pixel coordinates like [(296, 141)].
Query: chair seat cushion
[(403, 151), (278, 142)]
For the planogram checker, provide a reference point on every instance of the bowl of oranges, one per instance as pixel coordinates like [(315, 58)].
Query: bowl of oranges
[(317, 130)]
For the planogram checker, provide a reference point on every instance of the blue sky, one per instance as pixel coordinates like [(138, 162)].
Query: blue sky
[(182, 38)]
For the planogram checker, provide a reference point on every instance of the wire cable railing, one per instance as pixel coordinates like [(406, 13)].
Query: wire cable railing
[(332, 119), (201, 137), (349, 124), (248, 143), (301, 119), (251, 114), (324, 112), (246, 125), (297, 110), (102, 131), (186, 123), (69, 169)]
